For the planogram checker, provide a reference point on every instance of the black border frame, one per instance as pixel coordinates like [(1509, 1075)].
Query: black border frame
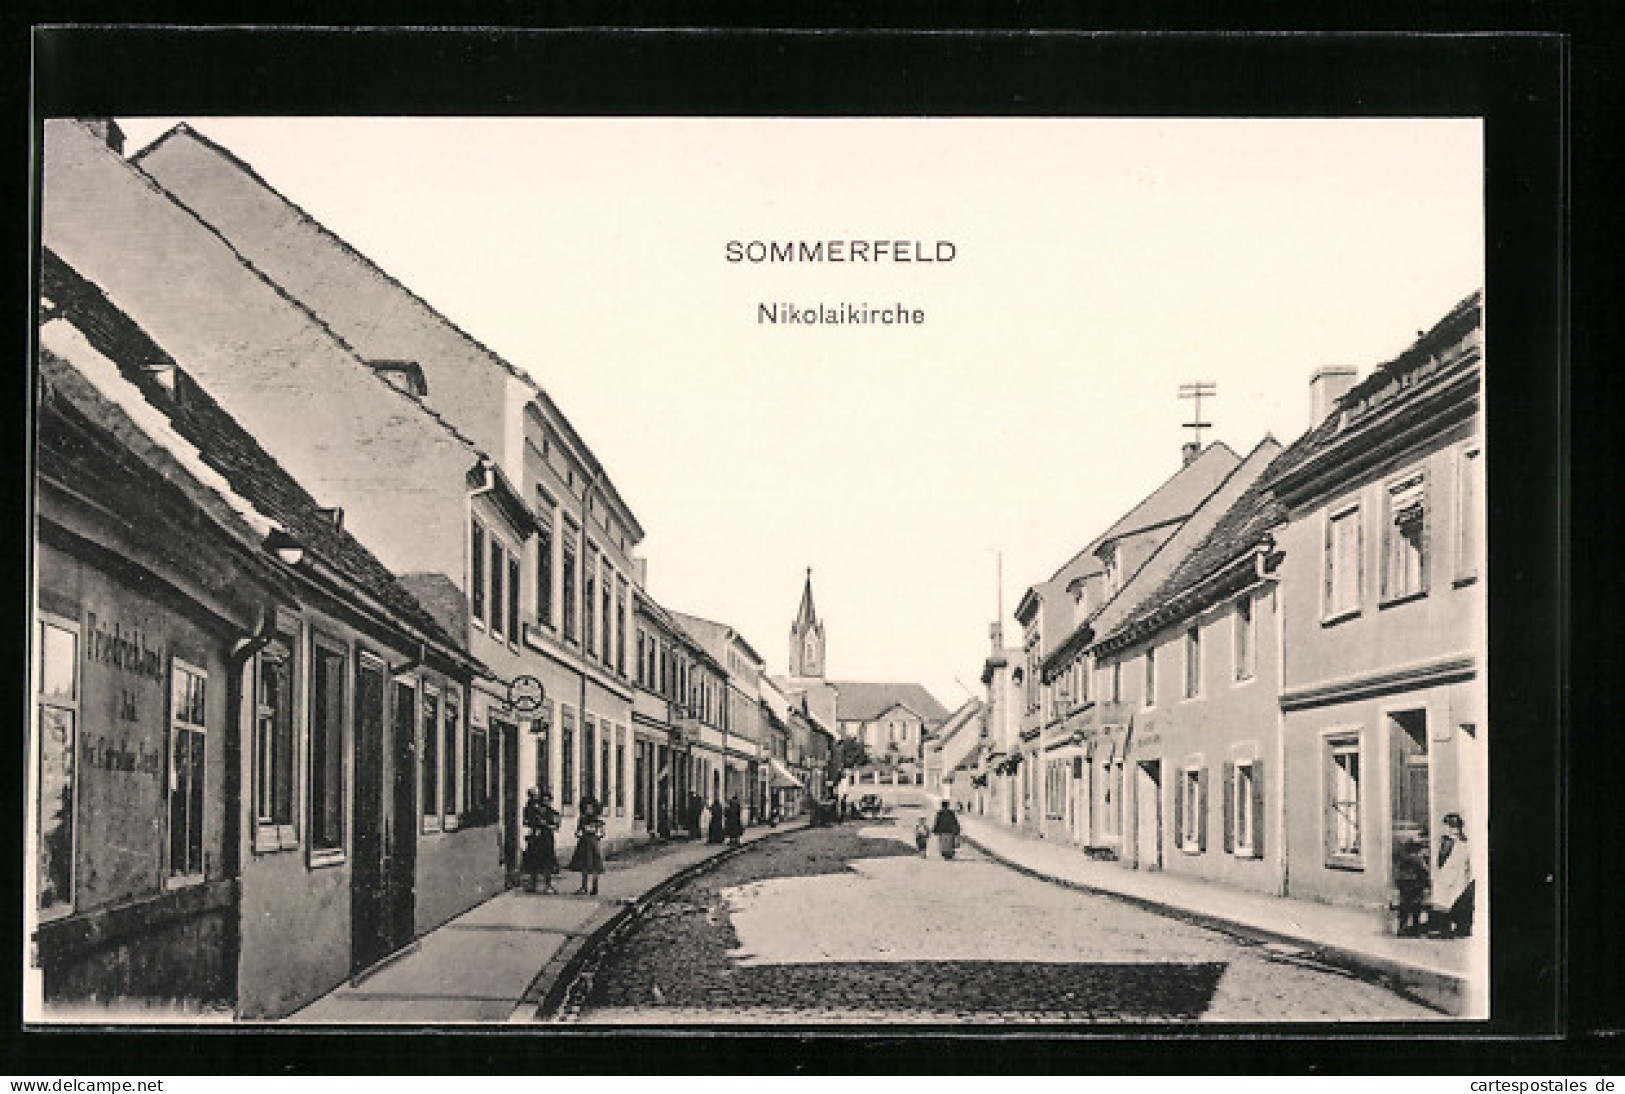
[(1519, 83)]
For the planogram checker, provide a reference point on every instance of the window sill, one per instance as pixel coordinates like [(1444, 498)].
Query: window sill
[(1339, 617), (430, 826), (1464, 580), (1403, 598), (449, 824), (1349, 863), (1242, 681), (324, 860), (183, 881), (271, 841), (1190, 849)]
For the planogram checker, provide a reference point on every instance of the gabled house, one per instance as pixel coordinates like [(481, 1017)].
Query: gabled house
[(227, 699)]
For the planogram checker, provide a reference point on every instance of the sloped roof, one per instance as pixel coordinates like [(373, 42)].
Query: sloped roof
[(709, 630), (1180, 494), (957, 721), (226, 447), (863, 701)]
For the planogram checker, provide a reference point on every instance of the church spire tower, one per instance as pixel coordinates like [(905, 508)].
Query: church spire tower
[(807, 637)]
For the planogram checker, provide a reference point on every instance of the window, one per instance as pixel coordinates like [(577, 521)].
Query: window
[(567, 756), (1085, 671), (1193, 662), (1246, 638), (610, 779), (1244, 809), (187, 741), (1343, 845), (1404, 568), (608, 600), (642, 674), (1117, 681), (449, 740), (640, 772), (513, 598), (1190, 808), (1344, 553), (542, 735), (569, 595), (544, 576), (274, 747), (430, 781), (620, 766), (498, 570), (56, 689), (1469, 514), (480, 765), (327, 717), (620, 626), (589, 605), (1151, 676), (476, 570)]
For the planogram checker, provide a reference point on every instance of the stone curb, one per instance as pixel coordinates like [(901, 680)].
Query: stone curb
[(1438, 990), (555, 987)]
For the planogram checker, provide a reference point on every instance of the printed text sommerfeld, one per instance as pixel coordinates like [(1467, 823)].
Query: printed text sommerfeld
[(757, 251)]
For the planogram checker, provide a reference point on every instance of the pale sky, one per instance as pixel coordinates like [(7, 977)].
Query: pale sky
[(1100, 264)]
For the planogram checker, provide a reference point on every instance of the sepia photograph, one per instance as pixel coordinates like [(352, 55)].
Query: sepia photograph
[(642, 571)]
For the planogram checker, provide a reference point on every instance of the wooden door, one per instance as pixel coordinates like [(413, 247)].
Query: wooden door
[(369, 879), (507, 746)]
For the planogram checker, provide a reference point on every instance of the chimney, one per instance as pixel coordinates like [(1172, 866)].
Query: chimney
[(1188, 453), (1326, 386), (107, 129)]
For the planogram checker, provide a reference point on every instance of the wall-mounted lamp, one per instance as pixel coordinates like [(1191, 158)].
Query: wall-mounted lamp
[(285, 547)]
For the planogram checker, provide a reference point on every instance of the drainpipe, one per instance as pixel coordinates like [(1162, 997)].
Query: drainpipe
[(581, 589), (237, 661)]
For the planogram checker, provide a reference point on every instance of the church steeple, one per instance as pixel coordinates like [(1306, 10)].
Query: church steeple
[(807, 636)]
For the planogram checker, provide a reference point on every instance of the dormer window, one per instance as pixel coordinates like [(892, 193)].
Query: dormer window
[(404, 376)]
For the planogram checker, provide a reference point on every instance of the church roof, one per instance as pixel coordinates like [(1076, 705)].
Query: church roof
[(863, 701)]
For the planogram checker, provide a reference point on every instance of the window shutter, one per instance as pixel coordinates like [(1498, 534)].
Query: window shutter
[(1229, 808), (1201, 811), (1257, 806), (1179, 807), (1329, 561)]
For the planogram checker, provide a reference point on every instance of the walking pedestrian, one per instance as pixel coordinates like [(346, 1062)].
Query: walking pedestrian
[(946, 828), (713, 829), (588, 858), (922, 836), (541, 858), (696, 809), (1453, 879), (733, 825)]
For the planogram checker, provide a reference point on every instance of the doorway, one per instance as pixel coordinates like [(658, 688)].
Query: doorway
[(507, 768), (381, 878), (1410, 799), (1148, 815)]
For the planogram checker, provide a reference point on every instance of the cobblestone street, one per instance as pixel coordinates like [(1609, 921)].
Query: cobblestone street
[(850, 924)]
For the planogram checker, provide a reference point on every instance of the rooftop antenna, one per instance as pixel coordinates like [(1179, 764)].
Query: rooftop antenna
[(1199, 390)]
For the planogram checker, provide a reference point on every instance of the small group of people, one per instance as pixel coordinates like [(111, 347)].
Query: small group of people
[(726, 823), (945, 827), (1436, 901), (540, 861)]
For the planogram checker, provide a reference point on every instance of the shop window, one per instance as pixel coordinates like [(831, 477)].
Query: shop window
[(480, 767), (1246, 639), (274, 748), (498, 601), (1469, 513), (187, 748), (476, 571), (1405, 534), (452, 709), (567, 757), (327, 750), (1244, 809), (1343, 780), (1344, 555), (1190, 809), (430, 771), (513, 598), (620, 767), (56, 711)]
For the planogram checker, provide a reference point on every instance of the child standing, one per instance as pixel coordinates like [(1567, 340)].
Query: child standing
[(922, 835)]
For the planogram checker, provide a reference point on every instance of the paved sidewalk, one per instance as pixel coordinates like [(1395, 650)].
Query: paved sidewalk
[(1437, 971), (496, 960)]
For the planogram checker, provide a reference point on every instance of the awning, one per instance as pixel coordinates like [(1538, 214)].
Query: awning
[(783, 778)]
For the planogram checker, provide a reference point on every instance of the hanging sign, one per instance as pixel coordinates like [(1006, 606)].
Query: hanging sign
[(526, 694)]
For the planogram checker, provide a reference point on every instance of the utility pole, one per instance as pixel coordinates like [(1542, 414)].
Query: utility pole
[(1198, 390)]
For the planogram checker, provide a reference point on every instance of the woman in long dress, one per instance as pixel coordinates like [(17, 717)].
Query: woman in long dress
[(541, 858), (1453, 879), (588, 857)]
